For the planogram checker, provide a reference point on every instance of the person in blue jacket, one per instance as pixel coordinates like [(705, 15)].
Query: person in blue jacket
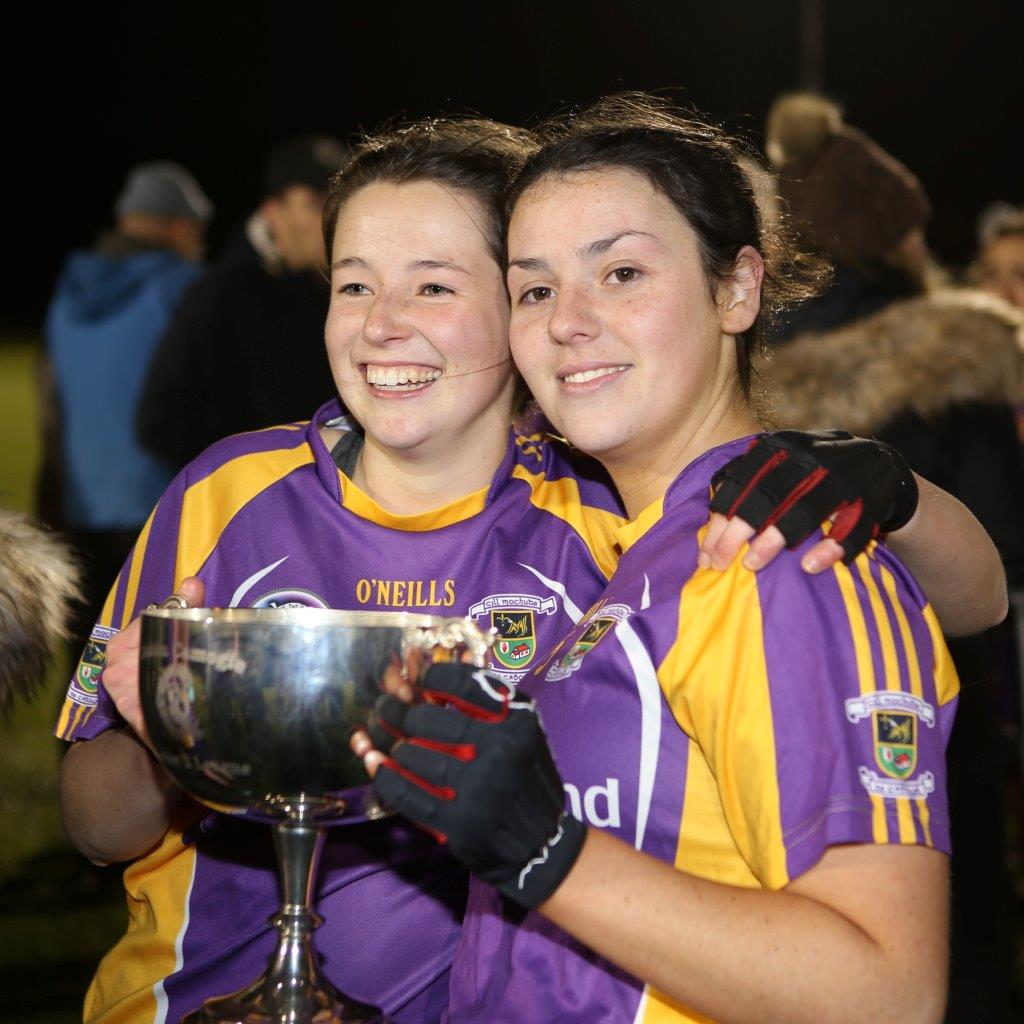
[(110, 308)]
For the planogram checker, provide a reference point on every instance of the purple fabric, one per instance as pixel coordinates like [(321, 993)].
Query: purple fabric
[(391, 898), (512, 965)]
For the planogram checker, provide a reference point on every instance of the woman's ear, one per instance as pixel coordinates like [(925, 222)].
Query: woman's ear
[(741, 292)]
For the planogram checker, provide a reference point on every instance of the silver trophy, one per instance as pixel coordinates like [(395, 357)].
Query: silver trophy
[(251, 710)]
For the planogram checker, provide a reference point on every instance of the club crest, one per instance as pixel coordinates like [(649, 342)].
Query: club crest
[(516, 642), (593, 633), (513, 617), (86, 681), (895, 741)]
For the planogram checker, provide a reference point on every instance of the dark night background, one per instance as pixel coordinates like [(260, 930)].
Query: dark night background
[(214, 85)]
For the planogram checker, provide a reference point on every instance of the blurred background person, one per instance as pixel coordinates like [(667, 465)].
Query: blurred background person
[(935, 373), (999, 267), (246, 347), (111, 306)]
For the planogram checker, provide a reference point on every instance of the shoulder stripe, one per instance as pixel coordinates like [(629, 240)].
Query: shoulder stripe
[(135, 572), (909, 647), (858, 627), (561, 498), (881, 621), (210, 505), (947, 683)]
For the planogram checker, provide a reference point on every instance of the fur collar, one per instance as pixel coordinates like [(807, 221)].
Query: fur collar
[(921, 355)]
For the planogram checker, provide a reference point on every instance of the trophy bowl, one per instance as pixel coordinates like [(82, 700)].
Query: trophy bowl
[(251, 711)]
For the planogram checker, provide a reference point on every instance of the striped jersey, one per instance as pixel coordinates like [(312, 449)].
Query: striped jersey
[(734, 725), (267, 519)]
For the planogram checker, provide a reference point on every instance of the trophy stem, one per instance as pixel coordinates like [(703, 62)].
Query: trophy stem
[(293, 991)]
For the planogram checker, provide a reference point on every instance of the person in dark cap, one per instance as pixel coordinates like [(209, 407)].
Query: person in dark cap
[(103, 325), (245, 349)]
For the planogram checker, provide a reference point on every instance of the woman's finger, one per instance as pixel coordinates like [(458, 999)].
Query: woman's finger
[(822, 556), (764, 548), (717, 525), (736, 534)]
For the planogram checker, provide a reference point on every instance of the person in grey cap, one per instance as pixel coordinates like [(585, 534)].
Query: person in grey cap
[(245, 349), (110, 308)]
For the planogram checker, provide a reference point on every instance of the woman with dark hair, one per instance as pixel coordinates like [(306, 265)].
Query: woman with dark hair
[(748, 819), (431, 504)]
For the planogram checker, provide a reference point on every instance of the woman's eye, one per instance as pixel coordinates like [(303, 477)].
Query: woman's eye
[(534, 295), (624, 275), (353, 289), (436, 289)]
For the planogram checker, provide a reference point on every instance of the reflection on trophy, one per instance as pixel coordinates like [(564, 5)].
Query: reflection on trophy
[(251, 710)]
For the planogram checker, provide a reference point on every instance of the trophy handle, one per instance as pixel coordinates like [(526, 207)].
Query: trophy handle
[(453, 633)]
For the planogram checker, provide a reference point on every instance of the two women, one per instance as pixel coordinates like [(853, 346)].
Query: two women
[(433, 505)]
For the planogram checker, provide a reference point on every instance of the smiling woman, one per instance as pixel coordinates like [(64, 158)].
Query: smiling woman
[(744, 756)]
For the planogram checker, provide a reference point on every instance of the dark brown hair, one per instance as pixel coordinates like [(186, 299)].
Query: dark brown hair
[(474, 156), (697, 167)]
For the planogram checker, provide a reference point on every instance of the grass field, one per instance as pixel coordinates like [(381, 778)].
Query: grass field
[(58, 913)]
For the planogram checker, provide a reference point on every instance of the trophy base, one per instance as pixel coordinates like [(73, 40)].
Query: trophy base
[(268, 1004)]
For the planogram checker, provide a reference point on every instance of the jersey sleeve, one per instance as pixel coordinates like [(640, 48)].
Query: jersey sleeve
[(148, 576), (823, 705)]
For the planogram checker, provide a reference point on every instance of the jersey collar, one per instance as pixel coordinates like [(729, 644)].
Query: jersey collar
[(693, 480), (347, 494)]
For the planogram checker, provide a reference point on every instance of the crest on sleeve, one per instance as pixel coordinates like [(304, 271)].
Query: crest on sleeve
[(86, 681), (896, 720), (895, 738)]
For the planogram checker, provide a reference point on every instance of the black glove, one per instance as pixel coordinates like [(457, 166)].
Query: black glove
[(474, 769), (795, 481)]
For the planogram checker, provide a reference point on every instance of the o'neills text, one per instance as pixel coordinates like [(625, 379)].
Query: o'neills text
[(406, 593)]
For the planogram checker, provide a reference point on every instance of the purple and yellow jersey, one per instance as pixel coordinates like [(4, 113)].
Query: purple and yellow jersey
[(266, 519), (734, 725)]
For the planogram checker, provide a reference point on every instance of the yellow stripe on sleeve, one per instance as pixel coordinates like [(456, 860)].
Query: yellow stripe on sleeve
[(947, 683), (879, 826), (905, 820), (594, 525), (925, 818), (134, 573), (865, 674), (210, 504), (909, 649), (890, 664)]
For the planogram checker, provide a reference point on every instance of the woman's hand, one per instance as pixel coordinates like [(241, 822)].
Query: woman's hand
[(121, 670), (788, 483), (470, 763)]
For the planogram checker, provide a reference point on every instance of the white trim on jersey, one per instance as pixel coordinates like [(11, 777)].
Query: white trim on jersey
[(559, 588), (251, 582), (649, 691), (159, 993)]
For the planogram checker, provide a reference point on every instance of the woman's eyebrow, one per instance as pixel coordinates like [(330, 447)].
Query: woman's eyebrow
[(438, 265), (601, 245), (532, 264), (350, 261)]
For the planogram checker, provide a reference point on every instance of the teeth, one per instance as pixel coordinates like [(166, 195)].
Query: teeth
[(585, 375), (406, 378)]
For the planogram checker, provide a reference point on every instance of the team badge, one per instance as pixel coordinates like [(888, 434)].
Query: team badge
[(86, 682), (593, 633), (896, 721), (516, 642), (513, 617), (895, 737)]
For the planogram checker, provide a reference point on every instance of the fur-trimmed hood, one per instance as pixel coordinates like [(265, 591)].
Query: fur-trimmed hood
[(38, 582), (921, 355)]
